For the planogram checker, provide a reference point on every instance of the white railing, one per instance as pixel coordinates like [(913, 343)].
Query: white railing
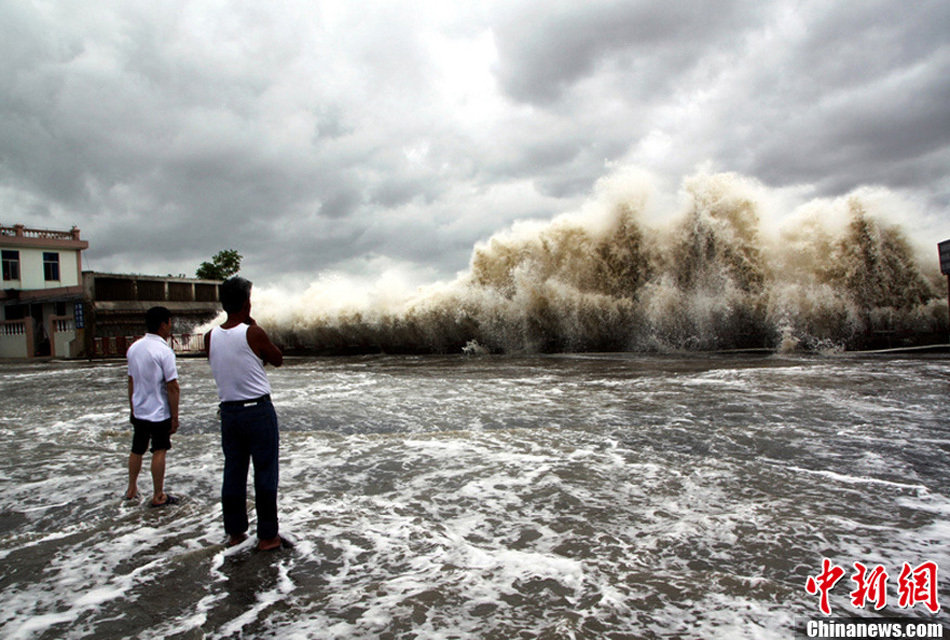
[(112, 345), (19, 231), (63, 323), (16, 339), (181, 343), (188, 343), (13, 328), (62, 335)]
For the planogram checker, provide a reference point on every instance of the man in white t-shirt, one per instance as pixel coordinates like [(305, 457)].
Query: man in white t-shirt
[(153, 399)]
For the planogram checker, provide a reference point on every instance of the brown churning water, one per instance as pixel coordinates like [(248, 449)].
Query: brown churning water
[(715, 271)]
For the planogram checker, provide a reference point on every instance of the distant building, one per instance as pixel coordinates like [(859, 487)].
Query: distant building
[(41, 288), (50, 307), (115, 306)]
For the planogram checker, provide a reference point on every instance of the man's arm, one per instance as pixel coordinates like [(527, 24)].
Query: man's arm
[(131, 406), (261, 345), (174, 395), (208, 345)]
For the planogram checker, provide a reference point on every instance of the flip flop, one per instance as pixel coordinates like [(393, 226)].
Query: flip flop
[(169, 499)]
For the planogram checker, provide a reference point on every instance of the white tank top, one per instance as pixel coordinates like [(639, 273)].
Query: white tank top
[(237, 370)]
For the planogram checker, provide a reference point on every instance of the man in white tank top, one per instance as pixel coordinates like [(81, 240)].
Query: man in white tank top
[(238, 351)]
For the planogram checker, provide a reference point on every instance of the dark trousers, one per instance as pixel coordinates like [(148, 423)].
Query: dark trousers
[(249, 433)]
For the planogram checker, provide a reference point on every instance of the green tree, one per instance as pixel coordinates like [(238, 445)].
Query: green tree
[(223, 265)]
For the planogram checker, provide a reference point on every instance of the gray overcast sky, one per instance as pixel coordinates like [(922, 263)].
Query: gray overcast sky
[(353, 137)]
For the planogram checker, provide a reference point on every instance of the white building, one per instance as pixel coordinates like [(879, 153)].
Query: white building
[(41, 293)]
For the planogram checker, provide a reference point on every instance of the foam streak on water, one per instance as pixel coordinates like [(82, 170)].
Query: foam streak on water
[(492, 497)]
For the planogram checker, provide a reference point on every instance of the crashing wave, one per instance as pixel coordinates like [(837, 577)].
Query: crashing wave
[(708, 276)]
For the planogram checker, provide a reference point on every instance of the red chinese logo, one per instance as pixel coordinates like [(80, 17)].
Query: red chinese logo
[(918, 586), (871, 586), (823, 582), (915, 585)]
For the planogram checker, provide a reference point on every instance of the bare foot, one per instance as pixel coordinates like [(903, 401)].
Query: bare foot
[(236, 540), (131, 495), (269, 544)]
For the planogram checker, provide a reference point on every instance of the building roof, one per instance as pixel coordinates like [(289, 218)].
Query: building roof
[(20, 236)]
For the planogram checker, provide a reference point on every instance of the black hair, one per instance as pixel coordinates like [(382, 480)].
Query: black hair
[(156, 317), (234, 293)]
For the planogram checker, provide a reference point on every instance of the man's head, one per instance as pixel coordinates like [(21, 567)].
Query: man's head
[(235, 293), (155, 318)]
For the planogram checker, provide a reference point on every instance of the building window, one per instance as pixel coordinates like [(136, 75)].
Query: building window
[(50, 266), (17, 311), (11, 265)]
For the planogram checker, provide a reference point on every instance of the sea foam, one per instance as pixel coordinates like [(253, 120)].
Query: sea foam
[(726, 263)]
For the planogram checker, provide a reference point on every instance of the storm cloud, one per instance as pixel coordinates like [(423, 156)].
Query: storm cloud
[(331, 136)]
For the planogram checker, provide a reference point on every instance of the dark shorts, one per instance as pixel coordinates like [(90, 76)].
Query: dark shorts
[(158, 432)]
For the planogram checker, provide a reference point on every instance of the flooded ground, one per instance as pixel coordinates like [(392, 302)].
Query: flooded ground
[(599, 496)]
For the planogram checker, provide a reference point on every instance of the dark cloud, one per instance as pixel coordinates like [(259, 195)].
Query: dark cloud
[(400, 191), (340, 203), (545, 47), (858, 91), (312, 138)]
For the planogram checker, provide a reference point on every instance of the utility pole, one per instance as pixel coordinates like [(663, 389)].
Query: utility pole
[(944, 249)]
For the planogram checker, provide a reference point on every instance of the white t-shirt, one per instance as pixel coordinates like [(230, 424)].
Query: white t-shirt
[(237, 370), (151, 366)]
